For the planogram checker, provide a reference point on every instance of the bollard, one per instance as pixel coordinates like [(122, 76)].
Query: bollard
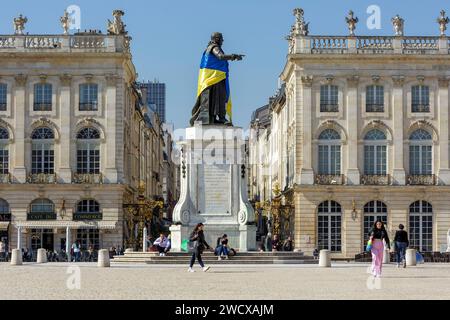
[(386, 256), (41, 256), (410, 257), (16, 257), (103, 258), (325, 259)]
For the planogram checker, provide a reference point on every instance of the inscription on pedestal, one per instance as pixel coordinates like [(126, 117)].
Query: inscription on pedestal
[(215, 182)]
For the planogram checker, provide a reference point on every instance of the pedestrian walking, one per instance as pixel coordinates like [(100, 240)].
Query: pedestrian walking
[(197, 245), (376, 237), (76, 248), (2, 251), (401, 243)]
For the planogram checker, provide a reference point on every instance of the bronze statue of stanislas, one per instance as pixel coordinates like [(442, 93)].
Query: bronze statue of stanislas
[(213, 95)]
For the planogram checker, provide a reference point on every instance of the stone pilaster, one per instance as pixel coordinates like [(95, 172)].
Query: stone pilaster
[(65, 143), (19, 171), (353, 174), (444, 171), (397, 115), (110, 111)]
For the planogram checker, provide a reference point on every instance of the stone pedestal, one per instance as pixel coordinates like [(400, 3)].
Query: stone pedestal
[(325, 259), (214, 188), (410, 257), (41, 256), (103, 258), (128, 250), (353, 177), (16, 257)]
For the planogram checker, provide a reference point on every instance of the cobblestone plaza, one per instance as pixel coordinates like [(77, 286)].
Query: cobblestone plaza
[(127, 281)]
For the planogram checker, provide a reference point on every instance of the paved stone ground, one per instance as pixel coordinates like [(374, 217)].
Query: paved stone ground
[(342, 281)]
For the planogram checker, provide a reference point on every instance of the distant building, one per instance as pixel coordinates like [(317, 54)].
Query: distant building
[(154, 95)]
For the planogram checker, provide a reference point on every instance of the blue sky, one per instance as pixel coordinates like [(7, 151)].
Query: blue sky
[(169, 37)]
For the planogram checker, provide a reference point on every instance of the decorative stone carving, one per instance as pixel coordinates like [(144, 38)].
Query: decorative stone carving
[(300, 27), (329, 78), (19, 24), (65, 22), (351, 22), (307, 80), (185, 217), (89, 77), (420, 78), (353, 80), (398, 24), (398, 80), (376, 78), (443, 21), (65, 79), (111, 79), (21, 79), (43, 78), (117, 27), (443, 81)]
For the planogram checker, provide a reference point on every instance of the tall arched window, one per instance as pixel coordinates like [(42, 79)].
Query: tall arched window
[(375, 153), (330, 152), (374, 98), (88, 206), (3, 96), (420, 101), (5, 214), (329, 98), (329, 226), (4, 151), (42, 205), (421, 226), (88, 97), (42, 97), (421, 153), (88, 151), (373, 211), (42, 155)]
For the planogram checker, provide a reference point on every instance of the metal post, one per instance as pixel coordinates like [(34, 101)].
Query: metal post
[(68, 244), (19, 238), (144, 240)]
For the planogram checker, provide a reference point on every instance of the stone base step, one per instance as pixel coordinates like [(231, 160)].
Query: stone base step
[(214, 262)]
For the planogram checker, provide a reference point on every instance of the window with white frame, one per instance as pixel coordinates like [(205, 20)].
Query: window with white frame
[(4, 151), (421, 153), (88, 97), (42, 206), (329, 226), (420, 98), (88, 206), (89, 237), (373, 211), (88, 151), (3, 96), (329, 98), (374, 98), (421, 226), (329, 152), (42, 97), (375, 149), (42, 153)]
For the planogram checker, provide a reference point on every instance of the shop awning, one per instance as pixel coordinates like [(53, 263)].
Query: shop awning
[(64, 224), (4, 225)]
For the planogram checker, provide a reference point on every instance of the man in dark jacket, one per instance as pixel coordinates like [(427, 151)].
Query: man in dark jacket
[(401, 243)]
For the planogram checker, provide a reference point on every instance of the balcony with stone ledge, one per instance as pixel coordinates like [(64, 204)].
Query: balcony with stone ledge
[(329, 179), (421, 179), (42, 178), (375, 179), (5, 178), (87, 178)]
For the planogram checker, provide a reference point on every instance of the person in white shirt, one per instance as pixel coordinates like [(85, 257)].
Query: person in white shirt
[(162, 244)]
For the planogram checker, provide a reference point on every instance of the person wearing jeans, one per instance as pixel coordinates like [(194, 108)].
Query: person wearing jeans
[(401, 243), (197, 238)]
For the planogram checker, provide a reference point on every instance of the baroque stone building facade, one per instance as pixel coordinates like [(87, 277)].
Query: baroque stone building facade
[(75, 139), (360, 132)]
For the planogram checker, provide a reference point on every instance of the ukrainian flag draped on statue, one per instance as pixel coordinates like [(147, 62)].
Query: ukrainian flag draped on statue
[(212, 71)]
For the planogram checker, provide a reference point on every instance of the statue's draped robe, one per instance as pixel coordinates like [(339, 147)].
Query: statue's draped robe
[(213, 93)]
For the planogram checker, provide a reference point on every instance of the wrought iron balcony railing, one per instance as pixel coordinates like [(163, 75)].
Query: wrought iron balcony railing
[(333, 179), (87, 178), (374, 108), (375, 179), (42, 178), (329, 107), (420, 108), (5, 178), (421, 179)]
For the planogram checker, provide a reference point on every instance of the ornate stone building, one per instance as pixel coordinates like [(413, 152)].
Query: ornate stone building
[(74, 139), (363, 133)]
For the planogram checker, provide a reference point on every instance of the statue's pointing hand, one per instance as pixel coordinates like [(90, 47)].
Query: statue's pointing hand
[(238, 56)]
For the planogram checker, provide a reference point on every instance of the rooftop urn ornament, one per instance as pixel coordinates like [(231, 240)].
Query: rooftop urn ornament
[(443, 21), (398, 24), (117, 26), (65, 22), (19, 24), (351, 22), (300, 27)]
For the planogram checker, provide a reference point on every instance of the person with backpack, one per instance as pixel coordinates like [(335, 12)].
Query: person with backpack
[(401, 243), (197, 245)]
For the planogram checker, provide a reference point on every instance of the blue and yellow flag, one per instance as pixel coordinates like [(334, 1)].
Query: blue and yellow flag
[(212, 71)]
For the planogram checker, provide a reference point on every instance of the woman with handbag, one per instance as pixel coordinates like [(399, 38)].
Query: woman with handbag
[(376, 246), (197, 245)]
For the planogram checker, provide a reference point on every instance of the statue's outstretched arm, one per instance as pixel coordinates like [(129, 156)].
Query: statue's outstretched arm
[(222, 56)]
